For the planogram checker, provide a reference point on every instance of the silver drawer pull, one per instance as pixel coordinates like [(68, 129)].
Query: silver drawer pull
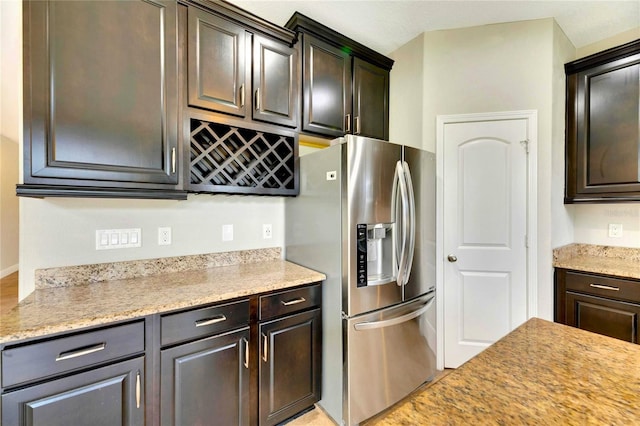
[(209, 321), (294, 301), (604, 287), (138, 390), (80, 352)]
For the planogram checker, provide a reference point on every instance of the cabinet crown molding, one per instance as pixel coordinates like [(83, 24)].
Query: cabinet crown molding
[(301, 23), (603, 57)]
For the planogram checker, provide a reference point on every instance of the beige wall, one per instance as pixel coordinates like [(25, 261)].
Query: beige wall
[(591, 221), (61, 232), (405, 97), (502, 67), (10, 107)]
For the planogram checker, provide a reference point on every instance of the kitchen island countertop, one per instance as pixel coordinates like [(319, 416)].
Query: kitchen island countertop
[(52, 310), (542, 373)]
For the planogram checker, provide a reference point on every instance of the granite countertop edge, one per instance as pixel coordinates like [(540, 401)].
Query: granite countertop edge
[(55, 310), (620, 262)]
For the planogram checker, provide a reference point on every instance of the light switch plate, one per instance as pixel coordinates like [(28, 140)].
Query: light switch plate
[(107, 239)]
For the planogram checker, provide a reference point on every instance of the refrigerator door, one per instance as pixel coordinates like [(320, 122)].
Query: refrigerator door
[(390, 353), (368, 228), (422, 170)]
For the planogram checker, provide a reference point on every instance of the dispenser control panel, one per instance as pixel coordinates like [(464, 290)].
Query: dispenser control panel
[(361, 253)]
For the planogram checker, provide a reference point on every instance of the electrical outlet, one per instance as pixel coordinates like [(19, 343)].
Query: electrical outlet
[(615, 230), (227, 232), (267, 231), (164, 236)]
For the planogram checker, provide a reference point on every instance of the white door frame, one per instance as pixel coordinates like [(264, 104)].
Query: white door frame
[(532, 211)]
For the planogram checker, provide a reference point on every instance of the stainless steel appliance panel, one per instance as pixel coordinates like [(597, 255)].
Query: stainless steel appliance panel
[(314, 239), (370, 172), (422, 167), (390, 353)]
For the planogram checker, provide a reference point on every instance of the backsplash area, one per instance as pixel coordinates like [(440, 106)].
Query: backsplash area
[(88, 274), (591, 224)]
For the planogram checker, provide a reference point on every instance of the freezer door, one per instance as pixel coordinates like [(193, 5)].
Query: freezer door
[(422, 169), (390, 353), (368, 227)]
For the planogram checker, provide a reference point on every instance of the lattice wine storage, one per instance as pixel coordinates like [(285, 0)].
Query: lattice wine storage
[(232, 159)]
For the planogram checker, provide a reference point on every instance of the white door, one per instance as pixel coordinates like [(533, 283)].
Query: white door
[(485, 171)]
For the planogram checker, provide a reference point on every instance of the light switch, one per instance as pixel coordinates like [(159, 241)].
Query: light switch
[(107, 239)]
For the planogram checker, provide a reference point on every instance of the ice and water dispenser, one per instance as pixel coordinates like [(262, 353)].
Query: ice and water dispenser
[(375, 254)]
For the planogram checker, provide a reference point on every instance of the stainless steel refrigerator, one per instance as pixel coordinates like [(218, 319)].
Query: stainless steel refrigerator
[(365, 217)]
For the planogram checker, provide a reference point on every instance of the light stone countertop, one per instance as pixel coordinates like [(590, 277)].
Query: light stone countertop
[(617, 261), (53, 310), (542, 373)]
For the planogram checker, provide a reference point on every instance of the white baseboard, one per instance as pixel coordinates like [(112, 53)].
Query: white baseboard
[(8, 271)]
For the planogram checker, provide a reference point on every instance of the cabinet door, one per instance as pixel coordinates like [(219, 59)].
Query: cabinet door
[(205, 380), (326, 88), (275, 82), (218, 71), (603, 316), (370, 100), (289, 366), (107, 396), (100, 97), (603, 131)]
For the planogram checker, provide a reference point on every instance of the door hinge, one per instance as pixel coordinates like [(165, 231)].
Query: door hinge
[(525, 145), (526, 240)]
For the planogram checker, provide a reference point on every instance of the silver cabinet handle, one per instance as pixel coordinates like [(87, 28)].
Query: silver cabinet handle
[(209, 321), (347, 121), (173, 160), (294, 301), (138, 390), (605, 287), (81, 352), (258, 99), (242, 96), (265, 347), (246, 353), (356, 124), (451, 258)]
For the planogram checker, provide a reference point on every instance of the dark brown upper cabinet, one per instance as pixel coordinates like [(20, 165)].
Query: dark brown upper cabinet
[(370, 100), (232, 69), (345, 85), (275, 82), (100, 99), (603, 122), (326, 88), (219, 69)]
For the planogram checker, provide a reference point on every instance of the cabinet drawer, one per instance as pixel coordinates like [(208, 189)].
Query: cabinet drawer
[(202, 322), (40, 360), (290, 301), (615, 288)]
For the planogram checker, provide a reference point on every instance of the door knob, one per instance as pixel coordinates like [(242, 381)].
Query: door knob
[(451, 258)]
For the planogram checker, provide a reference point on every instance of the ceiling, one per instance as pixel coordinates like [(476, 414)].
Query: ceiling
[(385, 25)]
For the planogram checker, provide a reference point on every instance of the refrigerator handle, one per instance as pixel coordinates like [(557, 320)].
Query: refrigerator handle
[(402, 184), (411, 234), (372, 325)]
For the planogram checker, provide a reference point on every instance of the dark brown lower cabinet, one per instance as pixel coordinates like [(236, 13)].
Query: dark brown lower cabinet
[(598, 303), (289, 366), (603, 316), (106, 396), (206, 381)]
